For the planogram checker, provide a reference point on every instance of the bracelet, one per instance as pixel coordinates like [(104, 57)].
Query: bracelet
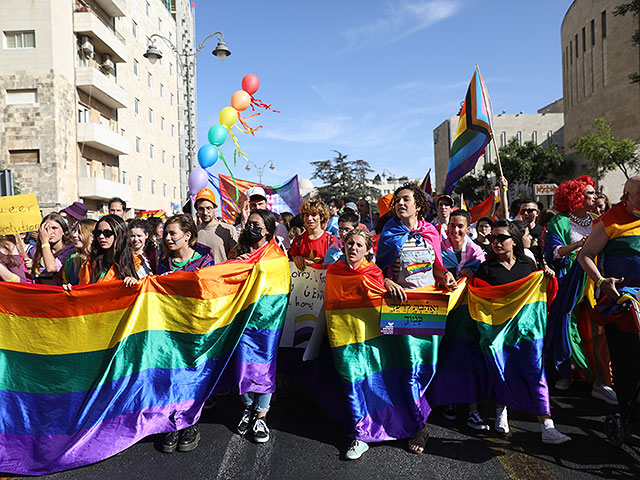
[(599, 282), (15, 278), (45, 245)]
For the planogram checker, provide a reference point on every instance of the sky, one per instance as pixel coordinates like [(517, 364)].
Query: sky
[(370, 78)]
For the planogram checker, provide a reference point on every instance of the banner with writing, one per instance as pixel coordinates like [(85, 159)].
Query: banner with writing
[(19, 214), (305, 306)]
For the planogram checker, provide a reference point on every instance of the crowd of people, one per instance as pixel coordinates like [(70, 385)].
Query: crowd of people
[(411, 245)]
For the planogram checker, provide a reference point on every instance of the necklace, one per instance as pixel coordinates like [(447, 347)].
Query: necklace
[(583, 222)]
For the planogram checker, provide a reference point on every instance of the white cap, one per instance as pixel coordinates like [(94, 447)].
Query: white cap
[(255, 191)]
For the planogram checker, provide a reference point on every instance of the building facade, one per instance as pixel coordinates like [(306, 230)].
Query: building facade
[(84, 115), (597, 59), (544, 127)]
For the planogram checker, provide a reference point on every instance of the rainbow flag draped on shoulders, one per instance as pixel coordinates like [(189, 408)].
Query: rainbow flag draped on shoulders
[(85, 375), (473, 134), (384, 376)]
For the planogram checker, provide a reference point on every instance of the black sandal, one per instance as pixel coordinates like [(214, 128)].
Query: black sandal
[(420, 440)]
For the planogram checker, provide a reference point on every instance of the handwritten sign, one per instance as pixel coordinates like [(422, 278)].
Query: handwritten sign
[(542, 189), (306, 302), (19, 214), (424, 312)]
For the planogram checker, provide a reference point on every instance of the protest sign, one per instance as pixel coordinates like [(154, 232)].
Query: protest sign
[(19, 214), (305, 306)]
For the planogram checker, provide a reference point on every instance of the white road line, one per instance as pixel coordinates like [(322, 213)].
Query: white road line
[(236, 451), (262, 464)]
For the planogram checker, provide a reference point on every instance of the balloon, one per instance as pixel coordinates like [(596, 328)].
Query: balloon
[(250, 83), (217, 135), (228, 117), (240, 100), (207, 155), (198, 179)]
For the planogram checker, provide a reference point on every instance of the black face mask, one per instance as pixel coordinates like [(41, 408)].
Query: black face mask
[(253, 232)]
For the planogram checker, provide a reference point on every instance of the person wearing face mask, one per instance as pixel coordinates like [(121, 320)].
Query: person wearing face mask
[(483, 229), (615, 243), (256, 199)]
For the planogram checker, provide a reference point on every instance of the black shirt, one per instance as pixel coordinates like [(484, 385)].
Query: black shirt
[(495, 273), (486, 247), (536, 244)]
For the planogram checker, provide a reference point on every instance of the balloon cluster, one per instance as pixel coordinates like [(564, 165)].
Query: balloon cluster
[(209, 154)]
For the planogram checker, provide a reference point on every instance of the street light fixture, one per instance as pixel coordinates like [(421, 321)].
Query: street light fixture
[(260, 169)]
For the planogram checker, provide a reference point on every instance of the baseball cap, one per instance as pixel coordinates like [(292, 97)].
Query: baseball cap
[(256, 191), (206, 194), (384, 203), (351, 206), (447, 198)]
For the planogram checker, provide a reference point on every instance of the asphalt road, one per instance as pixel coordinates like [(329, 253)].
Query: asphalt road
[(307, 443)]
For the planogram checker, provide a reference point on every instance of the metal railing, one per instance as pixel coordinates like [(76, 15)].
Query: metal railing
[(82, 6)]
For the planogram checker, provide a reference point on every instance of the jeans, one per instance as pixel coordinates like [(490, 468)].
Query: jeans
[(261, 401)]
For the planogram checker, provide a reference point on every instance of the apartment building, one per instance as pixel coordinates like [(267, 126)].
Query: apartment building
[(83, 115)]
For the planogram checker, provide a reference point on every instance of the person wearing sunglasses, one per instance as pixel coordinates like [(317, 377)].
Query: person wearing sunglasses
[(567, 232), (507, 263)]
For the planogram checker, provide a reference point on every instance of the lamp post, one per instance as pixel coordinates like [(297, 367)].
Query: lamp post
[(186, 61), (260, 170)]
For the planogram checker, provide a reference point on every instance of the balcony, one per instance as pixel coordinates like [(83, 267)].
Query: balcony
[(101, 189), (102, 138), (101, 87), (103, 36), (114, 8)]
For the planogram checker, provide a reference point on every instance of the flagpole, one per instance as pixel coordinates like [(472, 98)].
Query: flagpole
[(493, 139)]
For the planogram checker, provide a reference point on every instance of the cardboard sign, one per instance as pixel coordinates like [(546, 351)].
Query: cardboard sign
[(542, 189), (19, 214)]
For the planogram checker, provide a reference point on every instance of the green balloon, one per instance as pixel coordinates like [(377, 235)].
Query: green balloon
[(217, 135)]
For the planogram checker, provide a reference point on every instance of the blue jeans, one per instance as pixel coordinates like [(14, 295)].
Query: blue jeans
[(261, 401)]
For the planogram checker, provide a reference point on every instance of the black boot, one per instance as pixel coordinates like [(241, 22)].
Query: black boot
[(189, 439), (171, 441)]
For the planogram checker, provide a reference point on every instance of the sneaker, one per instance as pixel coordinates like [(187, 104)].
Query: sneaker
[(245, 421), (563, 384), (476, 422), (189, 439), (356, 450), (606, 394), (260, 430), (552, 436), (502, 421), (449, 412)]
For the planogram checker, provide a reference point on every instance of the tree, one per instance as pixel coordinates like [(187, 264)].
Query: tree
[(621, 10), (473, 188), (344, 178), (607, 152)]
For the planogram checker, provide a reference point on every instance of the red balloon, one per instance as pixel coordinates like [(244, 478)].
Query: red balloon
[(250, 83)]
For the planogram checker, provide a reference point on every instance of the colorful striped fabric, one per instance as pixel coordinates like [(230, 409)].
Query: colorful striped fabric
[(484, 209), (473, 134), (384, 376), (87, 374), (621, 256)]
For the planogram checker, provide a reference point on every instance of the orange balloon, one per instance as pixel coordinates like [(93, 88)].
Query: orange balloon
[(240, 100)]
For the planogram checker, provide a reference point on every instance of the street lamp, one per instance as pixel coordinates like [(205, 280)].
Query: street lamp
[(187, 62), (260, 169)]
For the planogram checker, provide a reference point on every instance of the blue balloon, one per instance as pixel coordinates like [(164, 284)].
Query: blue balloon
[(207, 156), (217, 135)]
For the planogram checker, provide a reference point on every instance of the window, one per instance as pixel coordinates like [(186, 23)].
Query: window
[(24, 157), (139, 181), (164, 190), (171, 103), (148, 9), (161, 90), (135, 67), (519, 137), (571, 51), (584, 40), (164, 157), (160, 25), (150, 115), (534, 136), (138, 142), (576, 46), (173, 130), (151, 151), (550, 135), (134, 28), (174, 193), (124, 177), (603, 18), (171, 69), (162, 123), (153, 187), (487, 154), (26, 39), (173, 165), (136, 104), (149, 80), (22, 97), (83, 114), (503, 139), (593, 33)]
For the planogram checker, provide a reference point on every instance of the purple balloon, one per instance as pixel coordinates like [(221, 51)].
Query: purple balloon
[(198, 180)]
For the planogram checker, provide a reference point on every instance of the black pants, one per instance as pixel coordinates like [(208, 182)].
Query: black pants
[(624, 349)]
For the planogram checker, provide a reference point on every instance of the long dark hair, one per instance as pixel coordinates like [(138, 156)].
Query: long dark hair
[(143, 225), (244, 244), (122, 252), (418, 196), (516, 236), (66, 239)]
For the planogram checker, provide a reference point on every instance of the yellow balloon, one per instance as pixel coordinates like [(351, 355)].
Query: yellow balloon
[(228, 117)]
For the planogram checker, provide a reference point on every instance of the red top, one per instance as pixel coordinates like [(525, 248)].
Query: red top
[(314, 250)]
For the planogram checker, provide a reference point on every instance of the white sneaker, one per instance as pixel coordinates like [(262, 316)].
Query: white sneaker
[(502, 421), (563, 384), (552, 436), (606, 394), (356, 450)]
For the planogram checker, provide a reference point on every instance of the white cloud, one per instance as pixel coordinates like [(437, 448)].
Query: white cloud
[(314, 130), (401, 20)]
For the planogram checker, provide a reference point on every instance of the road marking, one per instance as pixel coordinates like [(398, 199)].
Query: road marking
[(233, 455), (517, 464), (262, 465)]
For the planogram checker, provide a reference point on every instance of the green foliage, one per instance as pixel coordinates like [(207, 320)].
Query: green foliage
[(607, 152), (343, 178), (474, 189), (634, 8)]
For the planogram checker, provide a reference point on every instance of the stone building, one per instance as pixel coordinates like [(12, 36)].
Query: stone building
[(83, 115), (543, 127), (597, 59)]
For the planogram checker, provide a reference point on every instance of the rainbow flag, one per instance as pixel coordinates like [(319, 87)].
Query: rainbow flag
[(473, 134), (384, 376), (463, 204), (483, 209), (85, 375)]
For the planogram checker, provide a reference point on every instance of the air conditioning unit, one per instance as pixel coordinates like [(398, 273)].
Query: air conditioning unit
[(107, 64), (86, 47)]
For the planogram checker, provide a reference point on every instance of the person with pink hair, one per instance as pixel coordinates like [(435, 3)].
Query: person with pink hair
[(576, 336)]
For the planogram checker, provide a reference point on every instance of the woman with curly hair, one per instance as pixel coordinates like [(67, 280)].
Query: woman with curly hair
[(580, 337), (141, 242), (53, 246), (82, 233), (311, 247), (409, 255)]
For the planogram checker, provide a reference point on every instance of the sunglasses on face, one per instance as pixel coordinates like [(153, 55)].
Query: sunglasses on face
[(528, 210), (104, 233), (498, 238)]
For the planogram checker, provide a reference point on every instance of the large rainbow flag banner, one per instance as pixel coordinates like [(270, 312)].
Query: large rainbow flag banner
[(85, 375), (473, 134)]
